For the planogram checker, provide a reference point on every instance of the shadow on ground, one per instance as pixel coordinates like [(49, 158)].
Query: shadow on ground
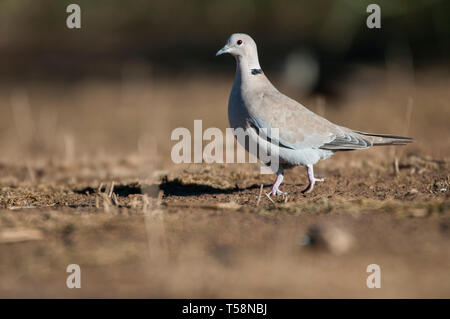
[(170, 188), (177, 188)]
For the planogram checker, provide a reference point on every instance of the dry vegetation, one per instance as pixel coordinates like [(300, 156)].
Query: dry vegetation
[(86, 178)]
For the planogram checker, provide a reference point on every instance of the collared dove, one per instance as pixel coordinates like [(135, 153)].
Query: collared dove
[(304, 138)]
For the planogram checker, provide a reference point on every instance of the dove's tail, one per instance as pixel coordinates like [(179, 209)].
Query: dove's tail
[(386, 139)]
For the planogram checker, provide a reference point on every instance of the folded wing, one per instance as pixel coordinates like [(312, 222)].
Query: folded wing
[(299, 128)]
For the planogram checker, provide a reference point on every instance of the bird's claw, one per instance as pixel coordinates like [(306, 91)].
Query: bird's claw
[(276, 192), (311, 185)]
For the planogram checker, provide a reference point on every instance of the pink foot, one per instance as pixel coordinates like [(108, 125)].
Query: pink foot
[(275, 188), (312, 180), (276, 191)]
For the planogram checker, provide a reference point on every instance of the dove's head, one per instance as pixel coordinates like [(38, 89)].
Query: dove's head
[(240, 45)]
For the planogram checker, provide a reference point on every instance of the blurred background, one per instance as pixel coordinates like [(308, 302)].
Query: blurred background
[(135, 56), (86, 117), (325, 37)]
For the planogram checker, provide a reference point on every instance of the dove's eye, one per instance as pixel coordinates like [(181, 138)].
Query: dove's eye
[(239, 42)]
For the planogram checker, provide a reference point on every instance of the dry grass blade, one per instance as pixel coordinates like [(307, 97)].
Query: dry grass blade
[(260, 194), (111, 190), (267, 195), (159, 199), (396, 166), (106, 202), (115, 199)]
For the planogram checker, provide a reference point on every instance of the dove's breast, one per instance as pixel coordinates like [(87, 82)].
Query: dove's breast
[(237, 110), (239, 118)]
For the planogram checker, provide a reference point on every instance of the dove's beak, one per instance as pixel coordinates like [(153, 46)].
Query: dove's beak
[(223, 50)]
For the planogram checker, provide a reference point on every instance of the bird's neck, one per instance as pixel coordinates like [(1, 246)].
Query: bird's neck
[(247, 68)]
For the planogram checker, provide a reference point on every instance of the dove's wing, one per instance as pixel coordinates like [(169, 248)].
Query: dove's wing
[(298, 127)]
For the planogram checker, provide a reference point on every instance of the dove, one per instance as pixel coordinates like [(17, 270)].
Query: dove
[(303, 137)]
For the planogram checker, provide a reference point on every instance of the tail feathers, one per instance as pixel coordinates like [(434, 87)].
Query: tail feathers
[(386, 139)]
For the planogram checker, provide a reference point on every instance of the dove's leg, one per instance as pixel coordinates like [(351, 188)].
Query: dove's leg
[(312, 179), (275, 187)]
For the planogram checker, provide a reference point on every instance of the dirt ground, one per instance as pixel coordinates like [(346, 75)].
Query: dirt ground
[(86, 178)]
